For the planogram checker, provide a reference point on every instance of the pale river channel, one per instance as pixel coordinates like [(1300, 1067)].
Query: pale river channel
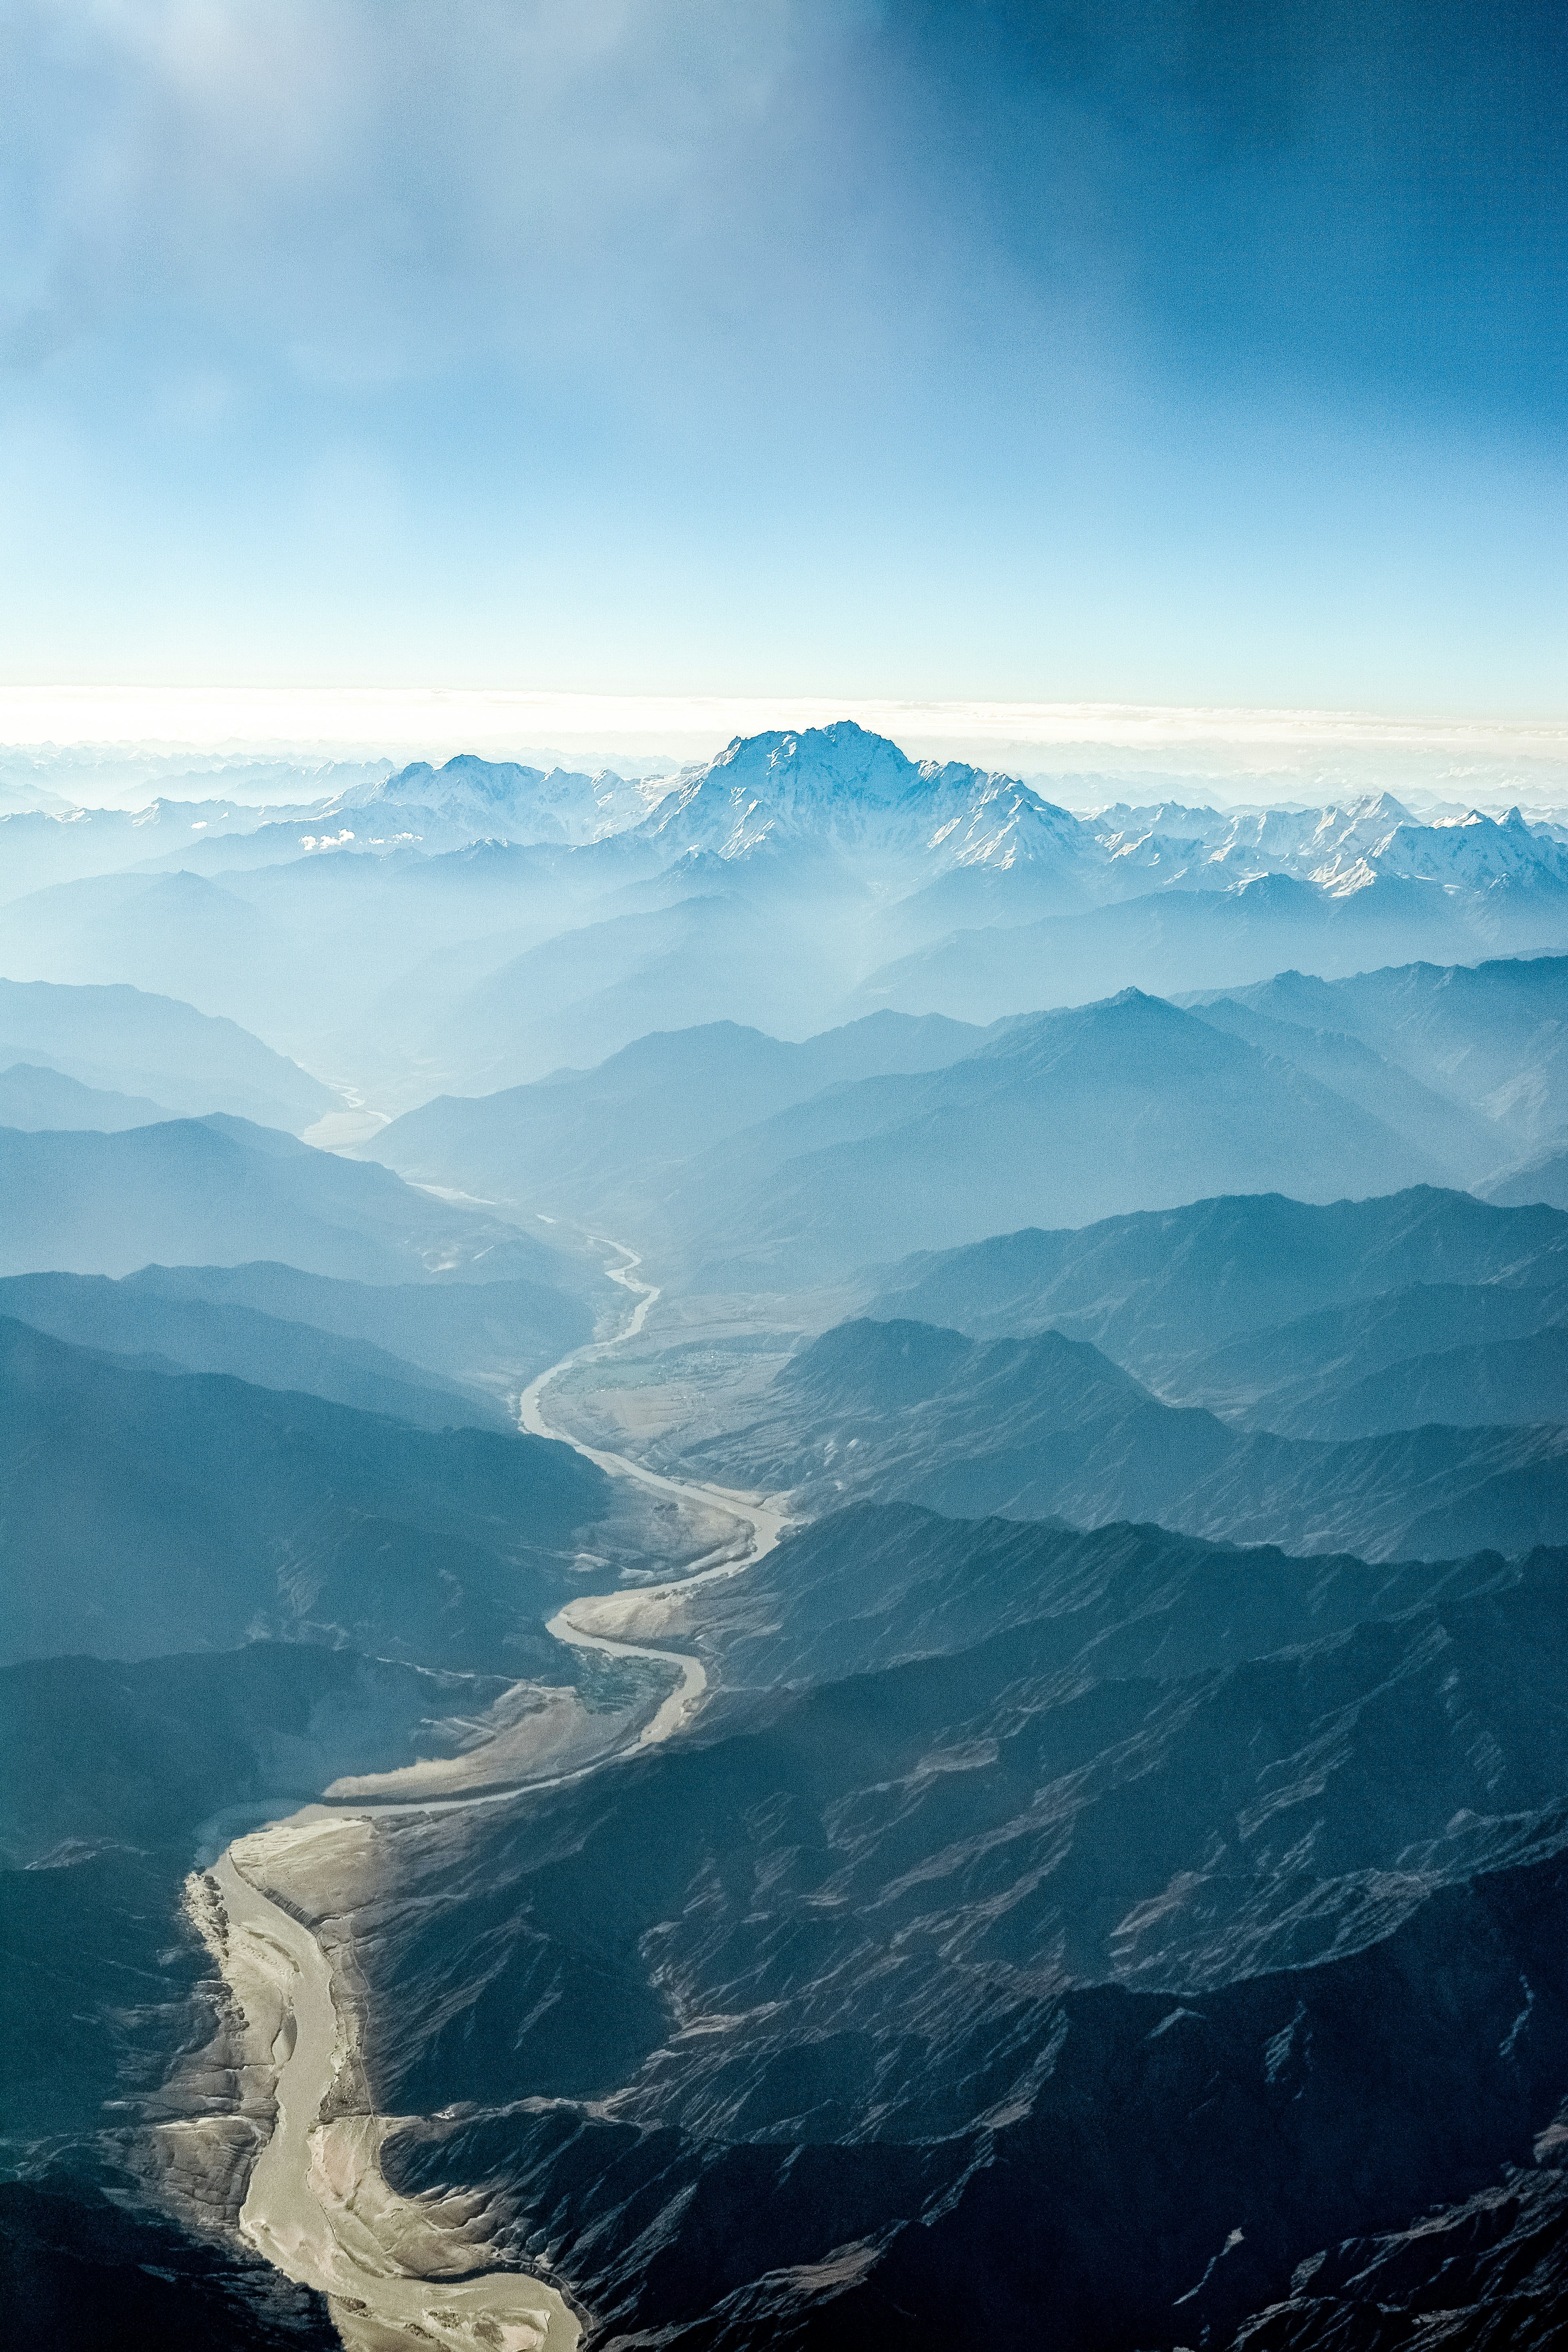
[(398, 2271)]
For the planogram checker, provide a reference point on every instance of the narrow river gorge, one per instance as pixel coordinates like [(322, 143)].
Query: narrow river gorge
[(397, 2271)]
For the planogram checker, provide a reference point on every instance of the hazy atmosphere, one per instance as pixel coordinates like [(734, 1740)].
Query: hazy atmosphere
[(1137, 352), (783, 1177)]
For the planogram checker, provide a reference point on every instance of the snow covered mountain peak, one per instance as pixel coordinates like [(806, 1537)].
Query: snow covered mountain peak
[(845, 790), (844, 762)]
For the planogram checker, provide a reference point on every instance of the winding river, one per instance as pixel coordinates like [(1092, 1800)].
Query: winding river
[(397, 2271)]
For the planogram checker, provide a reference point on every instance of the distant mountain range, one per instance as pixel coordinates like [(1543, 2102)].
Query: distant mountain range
[(1160, 1291), (837, 789), (1340, 848), (480, 924), (753, 1163), (34, 1096), (593, 1141), (367, 807), (1388, 1376), (1062, 1115), (1493, 1037), (1062, 1118), (120, 1040), (469, 799), (1049, 1428), (842, 793)]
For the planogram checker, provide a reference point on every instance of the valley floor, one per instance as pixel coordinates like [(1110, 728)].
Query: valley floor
[(400, 2270)]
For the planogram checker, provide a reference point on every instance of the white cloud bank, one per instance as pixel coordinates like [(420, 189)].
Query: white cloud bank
[(1236, 753)]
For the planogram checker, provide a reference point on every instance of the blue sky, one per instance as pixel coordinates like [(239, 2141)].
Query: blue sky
[(1139, 350)]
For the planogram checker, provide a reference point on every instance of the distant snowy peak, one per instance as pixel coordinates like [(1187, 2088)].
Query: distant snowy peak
[(1471, 853), (822, 783), (842, 788), (1340, 849), (473, 799)]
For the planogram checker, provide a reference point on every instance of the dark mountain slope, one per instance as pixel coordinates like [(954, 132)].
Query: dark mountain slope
[(1065, 1117), (1047, 1427), (145, 1512), (97, 1753), (1244, 2130), (491, 1335), (193, 1336), (88, 2273), (881, 1585), (826, 2016), (108, 1773), (1285, 1376), (1488, 2275), (199, 1191), (1153, 1288), (1510, 1381)]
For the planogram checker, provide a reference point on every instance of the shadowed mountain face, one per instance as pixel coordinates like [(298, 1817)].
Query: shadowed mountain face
[(1491, 2271), (1047, 1427), (89, 2274), (1505, 1381), (220, 1190), (1038, 1832), (148, 1512), (1153, 1290), (191, 1335)]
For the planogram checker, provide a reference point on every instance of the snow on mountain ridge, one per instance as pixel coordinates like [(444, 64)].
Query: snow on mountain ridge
[(505, 801), (844, 788), (1342, 849)]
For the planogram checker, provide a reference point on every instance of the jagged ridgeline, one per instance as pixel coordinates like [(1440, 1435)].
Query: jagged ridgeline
[(784, 1555), (479, 924)]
